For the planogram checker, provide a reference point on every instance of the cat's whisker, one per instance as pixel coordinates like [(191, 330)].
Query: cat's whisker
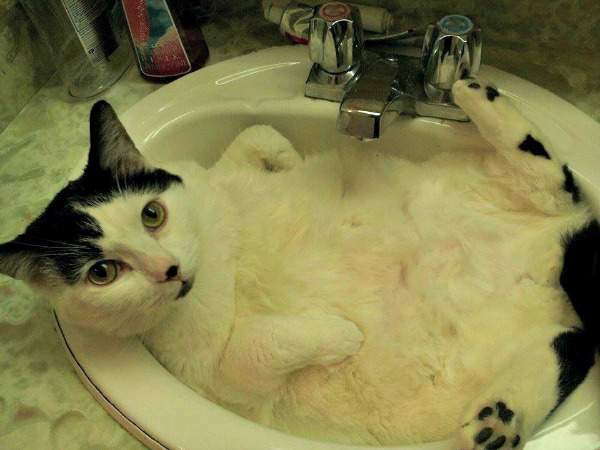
[(62, 254), (64, 245), (126, 188), (118, 184)]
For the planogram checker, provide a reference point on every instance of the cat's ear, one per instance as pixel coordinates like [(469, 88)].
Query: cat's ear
[(111, 148), (17, 262)]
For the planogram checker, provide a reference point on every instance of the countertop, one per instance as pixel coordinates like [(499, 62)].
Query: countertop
[(42, 403)]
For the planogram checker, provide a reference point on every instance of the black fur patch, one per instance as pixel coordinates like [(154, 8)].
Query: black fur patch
[(475, 85), (63, 238), (491, 93), (580, 276), (570, 185), (575, 351), (533, 146)]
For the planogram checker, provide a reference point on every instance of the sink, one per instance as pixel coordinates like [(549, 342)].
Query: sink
[(196, 117)]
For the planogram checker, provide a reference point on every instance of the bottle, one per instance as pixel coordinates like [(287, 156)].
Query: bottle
[(166, 37), (87, 40), (294, 18)]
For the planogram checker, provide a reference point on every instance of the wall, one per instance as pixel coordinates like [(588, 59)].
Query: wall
[(553, 43)]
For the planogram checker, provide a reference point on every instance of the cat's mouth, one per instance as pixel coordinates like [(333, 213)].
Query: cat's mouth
[(186, 286)]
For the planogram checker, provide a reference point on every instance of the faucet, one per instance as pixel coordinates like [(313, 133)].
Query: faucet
[(372, 85)]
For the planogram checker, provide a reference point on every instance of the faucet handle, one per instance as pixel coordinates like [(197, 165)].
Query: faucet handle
[(336, 40), (451, 51)]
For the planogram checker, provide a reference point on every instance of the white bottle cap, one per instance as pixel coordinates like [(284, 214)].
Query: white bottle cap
[(375, 19), (273, 9), (378, 20)]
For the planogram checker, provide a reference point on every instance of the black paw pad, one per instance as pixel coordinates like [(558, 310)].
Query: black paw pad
[(483, 435), (475, 85), (496, 443), (485, 412), (516, 440), (504, 413), (491, 93)]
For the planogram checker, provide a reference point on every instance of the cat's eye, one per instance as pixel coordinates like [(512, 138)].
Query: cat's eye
[(103, 272), (153, 215)]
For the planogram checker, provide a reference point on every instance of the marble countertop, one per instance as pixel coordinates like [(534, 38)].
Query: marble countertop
[(42, 403)]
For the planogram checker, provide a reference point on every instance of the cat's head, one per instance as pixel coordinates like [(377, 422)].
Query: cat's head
[(115, 248)]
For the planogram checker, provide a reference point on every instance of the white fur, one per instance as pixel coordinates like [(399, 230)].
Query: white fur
[(352, 297)]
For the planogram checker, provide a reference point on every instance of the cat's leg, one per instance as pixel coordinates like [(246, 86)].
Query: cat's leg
[(264, 349), (549, 367), (536, 171), (260, 147)]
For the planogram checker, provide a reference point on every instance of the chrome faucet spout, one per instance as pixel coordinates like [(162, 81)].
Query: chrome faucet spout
[(368, 106)]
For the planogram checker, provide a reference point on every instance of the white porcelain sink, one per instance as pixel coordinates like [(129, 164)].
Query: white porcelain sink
[(196, 117)]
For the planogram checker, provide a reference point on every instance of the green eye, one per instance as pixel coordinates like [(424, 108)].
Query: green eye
[(103, 272), (153, 215)]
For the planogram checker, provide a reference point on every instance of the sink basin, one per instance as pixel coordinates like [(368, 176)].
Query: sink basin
[(196, 118)]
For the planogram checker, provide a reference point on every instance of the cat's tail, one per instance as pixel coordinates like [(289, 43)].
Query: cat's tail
[(580, 277)]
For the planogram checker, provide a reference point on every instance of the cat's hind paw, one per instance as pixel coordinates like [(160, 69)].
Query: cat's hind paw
[(495, 426)]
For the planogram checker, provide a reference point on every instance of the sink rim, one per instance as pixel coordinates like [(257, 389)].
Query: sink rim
[(88, 351)]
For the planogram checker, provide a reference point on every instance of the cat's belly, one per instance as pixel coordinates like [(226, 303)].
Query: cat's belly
[(415, 374), (444, 285), (440, 317)]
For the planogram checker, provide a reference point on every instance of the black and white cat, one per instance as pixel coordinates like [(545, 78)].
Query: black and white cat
[(349, 296)]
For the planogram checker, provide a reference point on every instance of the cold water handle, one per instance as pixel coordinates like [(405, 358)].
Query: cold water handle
[(451, 51)]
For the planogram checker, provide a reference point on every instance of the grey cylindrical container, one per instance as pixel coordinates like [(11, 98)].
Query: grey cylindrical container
[(87, 40)]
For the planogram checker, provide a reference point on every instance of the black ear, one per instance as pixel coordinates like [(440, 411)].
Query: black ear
[(16, 262), (111, 148)]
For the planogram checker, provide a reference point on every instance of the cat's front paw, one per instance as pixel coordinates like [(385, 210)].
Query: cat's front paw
[(482, 103), (263, 148), (495, 426), (496, 118)]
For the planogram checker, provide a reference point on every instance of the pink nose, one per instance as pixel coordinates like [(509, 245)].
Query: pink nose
[(167, 271)]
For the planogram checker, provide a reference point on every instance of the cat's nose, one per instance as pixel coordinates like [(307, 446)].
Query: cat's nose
[(165, 271), (172, 273)]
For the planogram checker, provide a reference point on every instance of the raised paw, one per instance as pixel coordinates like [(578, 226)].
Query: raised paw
[(340, 339), (263, 148), (494, 427), (484, 105), (498, 121)]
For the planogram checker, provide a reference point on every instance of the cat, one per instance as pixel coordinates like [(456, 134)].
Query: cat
[(348, 296)]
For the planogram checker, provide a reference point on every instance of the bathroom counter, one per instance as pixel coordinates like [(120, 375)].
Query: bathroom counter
[(42, 403)]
